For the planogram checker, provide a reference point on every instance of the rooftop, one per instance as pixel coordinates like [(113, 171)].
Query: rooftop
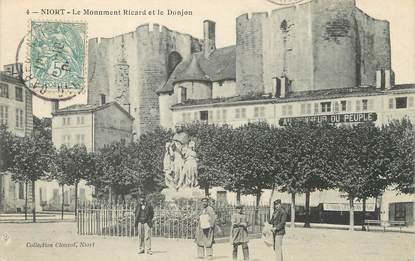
[(298, 96), (219, 66), (86, 108)]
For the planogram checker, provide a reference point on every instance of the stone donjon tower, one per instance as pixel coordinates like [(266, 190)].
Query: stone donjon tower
[(317, 45), (129, 68)]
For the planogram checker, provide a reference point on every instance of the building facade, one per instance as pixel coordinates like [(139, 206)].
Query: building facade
[(17, 115), (320, 61), (93, 126)]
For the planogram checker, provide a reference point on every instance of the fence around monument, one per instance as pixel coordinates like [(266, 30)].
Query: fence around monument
[(118, 220)]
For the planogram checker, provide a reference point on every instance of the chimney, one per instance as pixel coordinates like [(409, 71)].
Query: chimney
[(281, 86), (209, 45), (387, 79), (378, 79), (54, 105)]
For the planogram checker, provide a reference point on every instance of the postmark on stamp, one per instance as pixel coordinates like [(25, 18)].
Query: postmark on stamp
[(55, 66)]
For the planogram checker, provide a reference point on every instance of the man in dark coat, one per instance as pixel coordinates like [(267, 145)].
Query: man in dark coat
[(143, 222), (278, 227)]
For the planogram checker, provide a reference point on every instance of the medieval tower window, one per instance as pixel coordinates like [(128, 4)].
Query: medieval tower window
[(173, 60)]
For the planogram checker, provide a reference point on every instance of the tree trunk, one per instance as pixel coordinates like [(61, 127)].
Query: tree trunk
[(307, 209), (238, 197), (258, 200), (25, 200), (207, 190), (33, 201), (63, 199), (292, 210), (76, 198), (351, 221), (363, 214)]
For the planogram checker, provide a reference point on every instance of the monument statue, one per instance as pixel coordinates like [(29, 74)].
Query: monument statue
[(180, 162)]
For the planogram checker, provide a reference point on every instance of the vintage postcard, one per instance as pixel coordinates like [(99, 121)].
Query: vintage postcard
[(206, 129)]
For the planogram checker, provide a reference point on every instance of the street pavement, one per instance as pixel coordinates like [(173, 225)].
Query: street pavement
[(59, 241)]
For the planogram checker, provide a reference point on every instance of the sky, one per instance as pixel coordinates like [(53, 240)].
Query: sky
[(14, 23)]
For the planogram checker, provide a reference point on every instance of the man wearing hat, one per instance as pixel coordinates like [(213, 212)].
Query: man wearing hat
[(143, 222), (278, 227), (205, 230), (239, 234)]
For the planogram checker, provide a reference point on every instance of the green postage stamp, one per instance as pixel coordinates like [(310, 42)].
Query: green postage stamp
[(57, 59)]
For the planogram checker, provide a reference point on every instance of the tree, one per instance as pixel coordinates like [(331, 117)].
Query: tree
[(150, 149), (77, 164), (117, 168), (58, 161), (359, 163), (399, 142), (31, 162), (7, 144), (258, 146)]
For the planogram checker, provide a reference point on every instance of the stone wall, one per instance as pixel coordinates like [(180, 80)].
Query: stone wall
[(111, 125), (321, 44), (146, 52)]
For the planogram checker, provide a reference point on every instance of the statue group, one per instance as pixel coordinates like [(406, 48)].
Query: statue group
[(180, 162)]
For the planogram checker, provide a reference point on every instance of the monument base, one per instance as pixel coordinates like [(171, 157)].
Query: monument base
[(187, 193)]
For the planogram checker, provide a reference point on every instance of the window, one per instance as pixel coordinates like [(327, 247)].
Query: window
[(243, 113), (364, 105), (391, 103), (224, 115), (66, 140), (183, 94), (343, 105), (302, 110), (358, 105), (410, 102), (4, 90), (262, 112), (4, 114), (204, 115), (80, 139), (19, 118), (336, 106), (290, 109), (316, 108), (259, 112), (237, 113), (103, 101), (401, 102), (308, 109), (256, 111), (325, 106), (19, 94), (80, 120)]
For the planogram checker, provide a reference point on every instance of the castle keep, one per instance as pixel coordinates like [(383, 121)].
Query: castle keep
[(129, 68), (311, 46)]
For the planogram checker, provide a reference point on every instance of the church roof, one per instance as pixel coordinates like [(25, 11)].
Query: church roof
[(219, 66)]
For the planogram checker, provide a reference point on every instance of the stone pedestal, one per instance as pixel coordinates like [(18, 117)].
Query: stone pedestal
[(188, 193)]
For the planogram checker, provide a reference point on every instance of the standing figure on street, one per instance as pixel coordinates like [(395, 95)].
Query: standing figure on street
[(205, 230), (143, 222), (239, 234), (278, 228)]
